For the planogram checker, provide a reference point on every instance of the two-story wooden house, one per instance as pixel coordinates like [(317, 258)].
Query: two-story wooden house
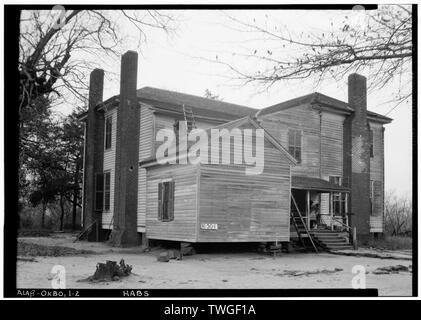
[(323, 160)]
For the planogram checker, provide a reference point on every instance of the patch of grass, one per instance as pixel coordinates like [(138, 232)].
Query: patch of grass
[(26, 249), (34, 233), (389, 243)]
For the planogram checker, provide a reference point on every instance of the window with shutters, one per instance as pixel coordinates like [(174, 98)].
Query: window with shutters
[(166, 200), (99, 191), (294, 143), (108, 132), (107, 190), (371, 137)]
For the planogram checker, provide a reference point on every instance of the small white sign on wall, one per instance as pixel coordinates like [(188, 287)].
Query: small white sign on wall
[(209, 226)]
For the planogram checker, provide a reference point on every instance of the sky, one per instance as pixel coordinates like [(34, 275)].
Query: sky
[(182, 61)]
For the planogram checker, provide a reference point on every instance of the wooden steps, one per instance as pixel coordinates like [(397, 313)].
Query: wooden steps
[(331, 240)]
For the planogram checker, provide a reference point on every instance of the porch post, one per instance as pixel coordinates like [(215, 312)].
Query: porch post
[(331, 210), (346, 209), (308, 209)]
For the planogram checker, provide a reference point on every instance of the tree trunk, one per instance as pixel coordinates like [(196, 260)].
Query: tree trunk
[(44, 207), (62, 212), (75, 196), (74, 208)]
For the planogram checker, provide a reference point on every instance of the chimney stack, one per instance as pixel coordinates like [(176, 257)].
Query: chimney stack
[(93, 158), (127, 156), (357, 154)]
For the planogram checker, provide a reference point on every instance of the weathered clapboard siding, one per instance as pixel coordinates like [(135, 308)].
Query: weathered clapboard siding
[(146, 139), (306, 119), (245, 207), (109, 165), (377, 175), (322, 138), (183, 227), (331, 145), (167, 122)]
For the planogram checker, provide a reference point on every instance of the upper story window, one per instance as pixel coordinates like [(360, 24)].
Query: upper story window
[(371, 141), (108, 132), (166, 201), (336, 180), (294, 143)]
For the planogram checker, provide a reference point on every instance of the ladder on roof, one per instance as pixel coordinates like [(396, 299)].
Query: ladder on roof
[(189, 117), (301, 227)]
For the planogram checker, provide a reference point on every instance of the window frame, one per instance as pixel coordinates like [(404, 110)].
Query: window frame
[(107, 200), (166, 196), (371, 142), (99, 202), (108, 132), (294, 146)]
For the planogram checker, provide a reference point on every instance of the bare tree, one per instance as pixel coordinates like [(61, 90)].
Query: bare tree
[(53, 42), (378, 43), (398, 215)]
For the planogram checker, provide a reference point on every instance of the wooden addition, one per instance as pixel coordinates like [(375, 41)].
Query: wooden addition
[(220, 203)]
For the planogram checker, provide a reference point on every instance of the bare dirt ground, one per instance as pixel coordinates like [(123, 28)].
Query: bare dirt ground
[(244, 270)]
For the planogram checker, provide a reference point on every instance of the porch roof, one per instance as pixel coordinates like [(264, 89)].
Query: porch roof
[(315, 184)]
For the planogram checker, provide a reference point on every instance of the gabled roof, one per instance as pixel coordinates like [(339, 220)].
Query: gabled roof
[(322, 100), (235, 124), (166, 101), (171, 101)]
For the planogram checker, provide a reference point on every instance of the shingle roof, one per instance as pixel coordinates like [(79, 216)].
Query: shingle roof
[(201, 107), (317, 184)]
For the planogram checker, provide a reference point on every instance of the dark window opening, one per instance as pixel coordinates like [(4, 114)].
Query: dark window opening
[(338, 202), (107, 190), (108, 131), (335, 180), (99, 191), (166, 201), (294, 144), (371, 137)]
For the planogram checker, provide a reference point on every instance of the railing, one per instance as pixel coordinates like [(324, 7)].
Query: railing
[(351, 231)]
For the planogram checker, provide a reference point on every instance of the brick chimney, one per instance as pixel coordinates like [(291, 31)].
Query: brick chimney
[(357, 154), (93, 153), (127, 156)]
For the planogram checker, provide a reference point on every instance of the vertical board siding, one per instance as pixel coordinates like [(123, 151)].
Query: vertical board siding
[(183, 227), (145, 151), (109, 165), (245, 207)]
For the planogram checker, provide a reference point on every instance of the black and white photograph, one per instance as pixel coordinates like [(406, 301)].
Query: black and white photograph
[(209, 151)]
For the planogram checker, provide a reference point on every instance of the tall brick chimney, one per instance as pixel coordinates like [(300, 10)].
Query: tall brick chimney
[(93, 152), (127, 156), (357, 154)]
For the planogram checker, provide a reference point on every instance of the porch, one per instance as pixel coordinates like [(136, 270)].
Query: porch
[(322, 204), (319, 213)]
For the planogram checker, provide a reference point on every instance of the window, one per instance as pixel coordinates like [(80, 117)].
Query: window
[(372, 195), (166, 201), (335, 180), (99, 191), (294, 144), (338, 203), (371, 141), (108, 131), (107, 190)]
